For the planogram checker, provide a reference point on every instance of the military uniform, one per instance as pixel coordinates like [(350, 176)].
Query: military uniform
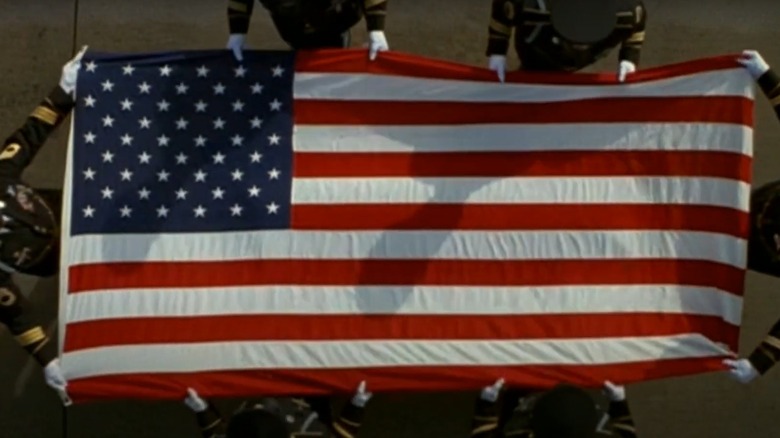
[(28, 227), (309, 417), (485, 422), (765, 223), (513, 418), (765, 203), (539, 46), (311, 24)]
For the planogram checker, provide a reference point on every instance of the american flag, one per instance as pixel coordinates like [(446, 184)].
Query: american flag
[(297, 223)]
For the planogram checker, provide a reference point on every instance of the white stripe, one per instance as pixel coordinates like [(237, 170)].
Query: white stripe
[(354, 86), (67, 208), (404, 300), (313, 245), (524, 190), (559, 137), (367, 354)]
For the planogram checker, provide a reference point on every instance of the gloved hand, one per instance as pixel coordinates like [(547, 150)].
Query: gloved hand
[(54, 377), (624, 69), (194, 402), (754, 63), (490, 393), (361, 395), (236, 43), (376, 43), (741, 370), (615, 393), (70, 72), (497, 63)]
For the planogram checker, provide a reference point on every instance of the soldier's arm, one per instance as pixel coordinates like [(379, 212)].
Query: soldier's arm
[(500, 29), (769, 83), (239, 15), (631, 48), (211, 423), (16, 314), (621, 423), (484, 424), (376, 11), (23, 144), (347, 425), (767, 353), (515, 420)]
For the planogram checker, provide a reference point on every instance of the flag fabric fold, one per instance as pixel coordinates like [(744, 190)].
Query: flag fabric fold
[(300, 222)]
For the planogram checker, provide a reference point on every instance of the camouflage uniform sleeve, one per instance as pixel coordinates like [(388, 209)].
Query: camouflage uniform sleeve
[(484, 424), (23, 144), (631, 49), (767, 353), (16, 313), (347, 425), (500, 29), (621, 423), (211, 423), (770, 85), (239, 15), (376, 11)]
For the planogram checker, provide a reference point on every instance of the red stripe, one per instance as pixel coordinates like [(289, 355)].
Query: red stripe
[(715, 109), (404, 272), (230, 328), (521, 217), (402, 64), (532, 164), (219, 384)]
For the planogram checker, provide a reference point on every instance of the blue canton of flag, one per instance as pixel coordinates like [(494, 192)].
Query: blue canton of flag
[(182, 142)]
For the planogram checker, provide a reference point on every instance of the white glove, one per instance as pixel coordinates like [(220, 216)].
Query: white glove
[(236, 43), (361, 395), (70, 72), (497, 63), (614, 393), (490, 393), (754, 63), (376, 43), (624, 69), (54, 377), (741, 370), (194, 402)]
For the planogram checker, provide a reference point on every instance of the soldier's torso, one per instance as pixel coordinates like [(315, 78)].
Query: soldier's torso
[(519, 422), (762, 256), (300, 417), (539, 49), (314, 16), (29, 234)]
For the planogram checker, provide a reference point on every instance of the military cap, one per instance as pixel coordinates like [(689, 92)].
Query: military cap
[(584, 21)]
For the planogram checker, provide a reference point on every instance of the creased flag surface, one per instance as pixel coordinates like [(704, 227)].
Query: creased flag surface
[(297, 223)]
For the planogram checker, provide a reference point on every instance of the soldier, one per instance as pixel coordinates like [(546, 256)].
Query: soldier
[(566, 35), (563, 412), (485, 422), (764, 243), (282, 418), (29, 231), (310, 24)]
